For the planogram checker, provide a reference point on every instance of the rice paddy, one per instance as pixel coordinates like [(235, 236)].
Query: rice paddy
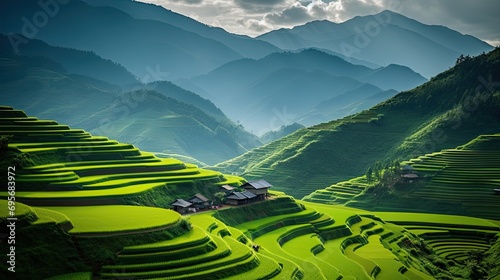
[(90, 167), (74, 206), (459, 181), (116, 218)]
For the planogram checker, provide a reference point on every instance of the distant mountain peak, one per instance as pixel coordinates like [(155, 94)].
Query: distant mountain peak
[(396, 39)]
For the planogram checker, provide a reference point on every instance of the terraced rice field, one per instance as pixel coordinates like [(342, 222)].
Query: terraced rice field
[(450, 237), (328, 242), (318, 242), (89, 166), (294, 239), (455, 181), (229, 166), (203, 252), (339, 193), (467, 175), (116, 218)]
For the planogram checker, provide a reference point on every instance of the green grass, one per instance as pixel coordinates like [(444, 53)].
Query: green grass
[(196, 235), (120, 192), (334, 254), (423, 120), (19, 209), (302, 246), (458, 181), (116, 218), (47, 215), (268, 268), (241, 256), (436, 219), (299, 240), (165, 258), (85, 168), (382, 257), (269, 242), (368, 245)]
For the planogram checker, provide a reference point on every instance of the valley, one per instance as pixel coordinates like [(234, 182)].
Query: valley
[(249, 140)]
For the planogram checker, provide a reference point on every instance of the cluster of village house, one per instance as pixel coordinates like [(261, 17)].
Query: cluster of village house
[(251, 191)]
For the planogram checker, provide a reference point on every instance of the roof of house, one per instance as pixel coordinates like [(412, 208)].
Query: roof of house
[(410, 176), (241, 195), (259, 184), (407, 167), (198, 198), (227, 187), (181, 202)]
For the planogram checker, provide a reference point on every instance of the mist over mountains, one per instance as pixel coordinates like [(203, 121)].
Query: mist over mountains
[(293, 83), (141, 143), (301, 75), (384, 38), (449, 110), (159, 116)]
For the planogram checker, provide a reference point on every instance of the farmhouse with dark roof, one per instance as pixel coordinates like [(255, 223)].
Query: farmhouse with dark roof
[(227, 189), (259, 188), (239, 198), (199, 201), (181, 206)]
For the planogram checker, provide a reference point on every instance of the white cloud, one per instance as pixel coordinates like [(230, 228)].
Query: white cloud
[(294, 14), (258, 26), (253, 17), (302, 12)]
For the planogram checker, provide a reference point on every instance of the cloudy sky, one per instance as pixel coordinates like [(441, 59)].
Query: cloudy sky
[(253, 17)]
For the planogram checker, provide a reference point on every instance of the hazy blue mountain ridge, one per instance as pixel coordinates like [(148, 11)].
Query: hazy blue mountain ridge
[(385, 38), (151, 50), (284, 87), (74, 61), (244, 45), (153, 121)]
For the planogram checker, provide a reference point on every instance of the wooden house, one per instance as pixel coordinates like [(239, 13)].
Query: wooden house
[(181, 206), (240, 198), (227, 189), (409, 178), (259, 188), (199, 201), (406, 169)]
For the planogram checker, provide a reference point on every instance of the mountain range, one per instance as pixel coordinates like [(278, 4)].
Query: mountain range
[(377, 155), (384, 38), (159, 116), (287, 87), (150, 49), (242, 82), (243, 45), (451, 109)]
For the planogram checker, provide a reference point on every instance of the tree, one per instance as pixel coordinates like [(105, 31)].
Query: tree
[(462, 58), (397, 167), (377, 170), (4, 143), (218, 198), (369, 174)]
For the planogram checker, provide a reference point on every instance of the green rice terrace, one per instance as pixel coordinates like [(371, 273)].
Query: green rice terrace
[(453, 181), (70, 166), (435, 116), (87, 207)]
